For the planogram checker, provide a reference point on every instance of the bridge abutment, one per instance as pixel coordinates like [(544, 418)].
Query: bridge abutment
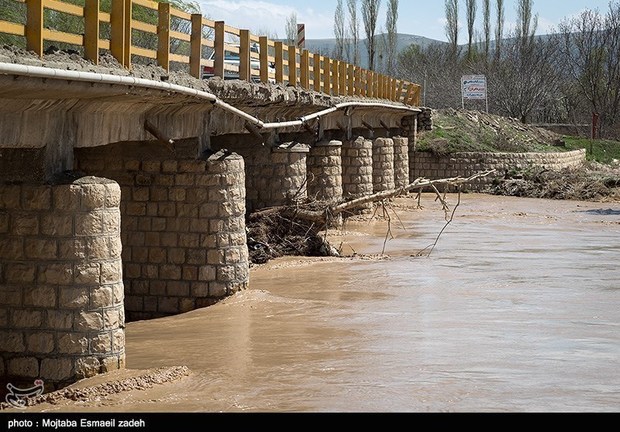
[(401, 161), (61, 286)]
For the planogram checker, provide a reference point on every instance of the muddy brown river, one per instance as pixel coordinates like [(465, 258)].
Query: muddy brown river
[(517, 309)]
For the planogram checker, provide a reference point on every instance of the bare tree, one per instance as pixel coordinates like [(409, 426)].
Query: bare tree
[(291, 28), (526, 25), (590, 47), (392, 36), (339, 31), (370, 14), (471, 8), (526, 79), (486, 27), (452, 25), (499, 29), (354, 32)]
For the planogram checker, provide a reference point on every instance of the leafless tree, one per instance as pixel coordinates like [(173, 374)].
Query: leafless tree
[(370, 14), (339, 31), (590, 48), (526, 25), (471, 7), (291, 28), (392, 36), (452, 25), (354, 32), (499, 28), (525, 80), (486, 27)]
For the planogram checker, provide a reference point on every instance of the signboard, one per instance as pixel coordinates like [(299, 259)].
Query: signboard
[(474, 87)]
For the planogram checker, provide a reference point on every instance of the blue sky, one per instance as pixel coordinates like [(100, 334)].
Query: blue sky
[(424, 18)]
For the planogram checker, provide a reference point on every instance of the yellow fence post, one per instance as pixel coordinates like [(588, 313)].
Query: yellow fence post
[(34, 26), (244, 55), (335, 77), (263, 43), (343, 78), (316, 72), (304, 70), (91, 30), (117, 35), (292, 65), (218, 58), (279, 46), (399, 92), (163, 36), (351, 77), (370, 84), (195, 57), (128, 31), (327, 86)]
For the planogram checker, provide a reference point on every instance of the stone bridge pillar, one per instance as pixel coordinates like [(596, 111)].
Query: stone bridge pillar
[(401, 162), (357, 168), (183, 224), (325, 171), (274, 175), (61, 286), (383, 164)]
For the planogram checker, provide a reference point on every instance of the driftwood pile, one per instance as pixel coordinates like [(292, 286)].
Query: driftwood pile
[(300, 229)]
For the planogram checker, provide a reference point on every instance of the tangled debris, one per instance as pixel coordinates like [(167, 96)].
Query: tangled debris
[(591, 182)]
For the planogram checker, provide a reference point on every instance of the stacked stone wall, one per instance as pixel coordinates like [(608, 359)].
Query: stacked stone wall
[(61, 287), (465, 165)]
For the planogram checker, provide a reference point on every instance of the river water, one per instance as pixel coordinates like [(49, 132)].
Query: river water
[(517, 309)]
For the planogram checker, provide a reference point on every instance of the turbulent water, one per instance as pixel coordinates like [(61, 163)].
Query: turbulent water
[(517, 309)]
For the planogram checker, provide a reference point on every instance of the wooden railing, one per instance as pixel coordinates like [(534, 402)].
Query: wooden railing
[(201, 44)]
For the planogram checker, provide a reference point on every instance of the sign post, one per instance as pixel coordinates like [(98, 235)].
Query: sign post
[(474, 87), (301, 36)]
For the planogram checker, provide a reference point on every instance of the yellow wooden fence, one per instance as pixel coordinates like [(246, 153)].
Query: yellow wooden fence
[(260, 59)]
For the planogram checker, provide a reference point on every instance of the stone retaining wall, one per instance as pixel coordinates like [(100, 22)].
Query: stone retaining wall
[(435, 167), (183, 225), (61, 286)]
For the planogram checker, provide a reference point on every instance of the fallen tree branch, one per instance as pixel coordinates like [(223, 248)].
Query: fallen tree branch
[(322, 216)]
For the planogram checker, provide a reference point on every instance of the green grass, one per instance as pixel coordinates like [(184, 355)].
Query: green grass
[(603, 151)]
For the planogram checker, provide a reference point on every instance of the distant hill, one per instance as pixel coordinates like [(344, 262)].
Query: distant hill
[(327, 46)]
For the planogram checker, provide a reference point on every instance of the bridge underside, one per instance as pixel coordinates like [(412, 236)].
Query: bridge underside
[(126, 202)]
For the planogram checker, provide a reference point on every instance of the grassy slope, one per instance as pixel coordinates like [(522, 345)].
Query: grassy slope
[(462, 131)]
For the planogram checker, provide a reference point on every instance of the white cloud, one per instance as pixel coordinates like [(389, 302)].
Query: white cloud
[(266, 17)]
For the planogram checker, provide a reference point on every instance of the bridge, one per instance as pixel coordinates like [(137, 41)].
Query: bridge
[(125, 178)]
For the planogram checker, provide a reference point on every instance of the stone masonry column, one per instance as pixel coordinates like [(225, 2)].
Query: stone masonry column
[(383, 164), (357, 168), (401, 162), (183, 229), (61, 286), (226, 270), (289, 174), (325, 171)]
